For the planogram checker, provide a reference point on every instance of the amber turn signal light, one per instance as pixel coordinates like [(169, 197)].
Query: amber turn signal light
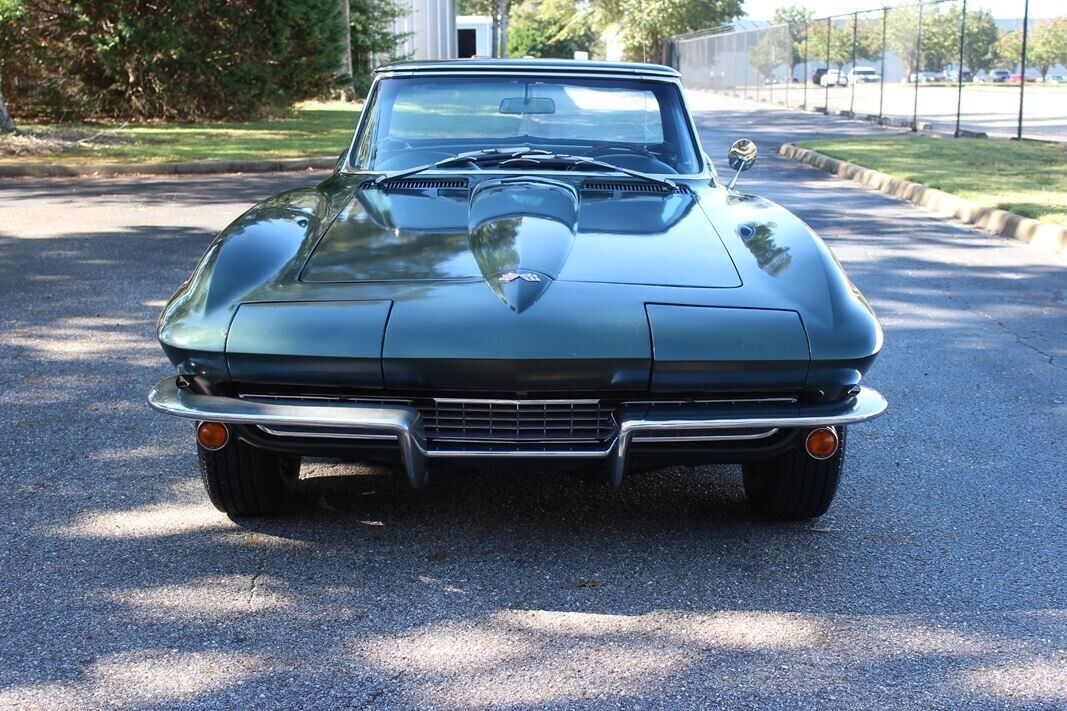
[(212, 435), (821, 443)]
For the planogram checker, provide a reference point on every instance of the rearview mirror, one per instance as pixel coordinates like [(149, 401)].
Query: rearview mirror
[(741, 157), (527, 105)]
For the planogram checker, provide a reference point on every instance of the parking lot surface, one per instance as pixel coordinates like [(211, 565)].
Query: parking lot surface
[(937, 579), (990, 108)]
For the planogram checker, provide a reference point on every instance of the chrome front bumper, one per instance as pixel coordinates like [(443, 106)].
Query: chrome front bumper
[(405, 424)]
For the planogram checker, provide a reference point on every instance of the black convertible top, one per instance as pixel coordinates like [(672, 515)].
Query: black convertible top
[(529, 65)]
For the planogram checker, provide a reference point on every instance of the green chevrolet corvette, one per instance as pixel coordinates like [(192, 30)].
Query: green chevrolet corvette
[(524, 260)]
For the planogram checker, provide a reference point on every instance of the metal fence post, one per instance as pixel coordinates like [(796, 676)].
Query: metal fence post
[(959, 69), (1022, 71), (744, 58), (826, 100), (852, 99), (805, 104), (881, 84), (789, 62), (918, 63)]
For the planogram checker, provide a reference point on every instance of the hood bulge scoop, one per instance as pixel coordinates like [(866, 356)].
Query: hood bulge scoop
[(521, 231)]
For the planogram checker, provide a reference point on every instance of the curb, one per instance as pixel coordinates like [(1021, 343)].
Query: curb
[(1043, 235), (54, 170)]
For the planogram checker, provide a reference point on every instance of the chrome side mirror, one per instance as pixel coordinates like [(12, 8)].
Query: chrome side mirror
[(741, 157)]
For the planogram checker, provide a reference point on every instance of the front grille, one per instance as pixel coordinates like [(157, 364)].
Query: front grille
[(517, 420), (462, 424)]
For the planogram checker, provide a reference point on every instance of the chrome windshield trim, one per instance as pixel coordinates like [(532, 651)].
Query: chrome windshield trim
[(405, 423), (467, 173), (532, 71)]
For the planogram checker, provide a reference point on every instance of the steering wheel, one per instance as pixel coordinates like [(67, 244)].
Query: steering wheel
[(410, 159), (611, 148)]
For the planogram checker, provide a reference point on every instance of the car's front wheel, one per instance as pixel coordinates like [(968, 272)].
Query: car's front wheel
[(242, 480), (794, 485)]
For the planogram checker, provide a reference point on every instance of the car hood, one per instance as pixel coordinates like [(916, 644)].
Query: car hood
[(531, 231)]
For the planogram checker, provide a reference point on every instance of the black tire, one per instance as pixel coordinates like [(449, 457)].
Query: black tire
[(242, 480), (792, 486)]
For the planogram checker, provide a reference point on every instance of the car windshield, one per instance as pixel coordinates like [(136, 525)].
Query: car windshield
[(634, 124)]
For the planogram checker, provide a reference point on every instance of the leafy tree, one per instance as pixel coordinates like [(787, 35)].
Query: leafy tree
[(647, 24), (772, 51), (867, 38), (980, 40), (1009, 49), (867, 35), (940, 37), (183, 59), (550, 28), (796, 19), (372, 35), (1047, 45)]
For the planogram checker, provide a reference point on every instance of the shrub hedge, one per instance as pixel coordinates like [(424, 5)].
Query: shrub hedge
[(181, 60)]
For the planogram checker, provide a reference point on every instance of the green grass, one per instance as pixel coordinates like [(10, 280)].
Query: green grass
[(1025, 177), (313, 129)]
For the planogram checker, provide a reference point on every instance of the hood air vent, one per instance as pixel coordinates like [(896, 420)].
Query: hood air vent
[(415, 184), (628, 186)]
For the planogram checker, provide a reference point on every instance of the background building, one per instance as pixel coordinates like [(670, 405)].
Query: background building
[(429, 30)]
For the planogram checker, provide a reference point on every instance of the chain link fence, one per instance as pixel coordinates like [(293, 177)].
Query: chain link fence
[(991, 67)]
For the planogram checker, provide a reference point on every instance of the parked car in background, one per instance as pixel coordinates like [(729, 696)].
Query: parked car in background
[(996, 76), (1018, 79), (1056, 79), (834, 77), (863, 75), (953, 76), (522, 262), (817, 75), (925, 78)]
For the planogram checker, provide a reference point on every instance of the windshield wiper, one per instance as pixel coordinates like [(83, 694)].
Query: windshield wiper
[(475, 157), (563, 158), (527, 154)]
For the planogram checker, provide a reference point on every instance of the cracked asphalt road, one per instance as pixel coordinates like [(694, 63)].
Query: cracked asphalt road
[(937, 579)]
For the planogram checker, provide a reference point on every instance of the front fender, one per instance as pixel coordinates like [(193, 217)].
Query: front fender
[(784, 264), (262, 249)]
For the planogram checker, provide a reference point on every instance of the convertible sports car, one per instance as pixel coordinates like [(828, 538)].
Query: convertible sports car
[(531, 261)]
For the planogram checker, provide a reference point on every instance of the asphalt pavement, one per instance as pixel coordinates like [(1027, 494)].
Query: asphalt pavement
[(938, 579)]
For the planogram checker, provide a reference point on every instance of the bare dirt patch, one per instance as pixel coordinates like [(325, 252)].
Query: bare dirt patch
[(53, 141)]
